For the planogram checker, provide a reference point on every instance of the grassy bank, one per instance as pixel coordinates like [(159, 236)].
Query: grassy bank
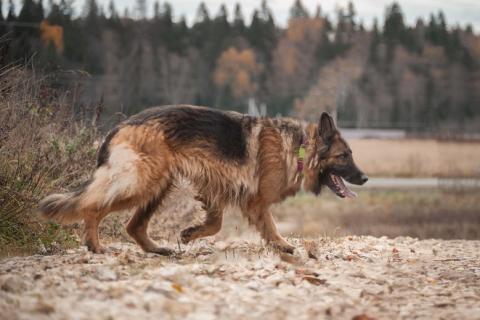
[(424, 214), (44, 147)]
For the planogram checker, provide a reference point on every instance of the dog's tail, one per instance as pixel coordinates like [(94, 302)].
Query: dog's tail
[(64, 208)]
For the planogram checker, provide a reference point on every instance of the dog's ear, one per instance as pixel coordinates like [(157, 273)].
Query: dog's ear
[(326, 127)]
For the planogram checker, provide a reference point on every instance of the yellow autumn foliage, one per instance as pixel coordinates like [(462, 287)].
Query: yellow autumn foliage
[(52, 34), (239, 70)]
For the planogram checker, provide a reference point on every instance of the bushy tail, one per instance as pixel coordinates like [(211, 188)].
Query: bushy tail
[(63, 208)]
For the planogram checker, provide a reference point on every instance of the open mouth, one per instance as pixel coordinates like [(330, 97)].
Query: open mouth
[(336, 184)]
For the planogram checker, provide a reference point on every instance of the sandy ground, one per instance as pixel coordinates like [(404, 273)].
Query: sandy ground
[(341, 278)]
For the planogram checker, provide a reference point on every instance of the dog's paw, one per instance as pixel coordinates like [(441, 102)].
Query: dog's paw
[(186, 235), (95, 248), (161, 251), (283, 247)]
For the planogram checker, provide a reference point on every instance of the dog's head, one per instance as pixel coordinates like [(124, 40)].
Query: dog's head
[(331, 161)]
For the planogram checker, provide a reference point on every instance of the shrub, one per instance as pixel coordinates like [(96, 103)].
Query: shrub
[(44, 147)]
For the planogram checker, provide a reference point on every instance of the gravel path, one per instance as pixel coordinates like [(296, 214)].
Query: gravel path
[(344, 278)]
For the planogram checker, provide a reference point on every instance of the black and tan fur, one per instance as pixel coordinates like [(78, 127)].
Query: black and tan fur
[(231, 159)]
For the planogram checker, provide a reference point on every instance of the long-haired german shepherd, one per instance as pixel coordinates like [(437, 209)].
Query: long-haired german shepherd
[(231, 158)]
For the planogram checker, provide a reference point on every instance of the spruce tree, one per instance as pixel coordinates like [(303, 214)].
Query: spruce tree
[(156, 10), (202, 13), (351, 14), (220, 32), (30, 12), (341, 41), (298, 11), (442, 32), (92, 13), (394, 27), (262, 31), (202, 26), (469, 29), (238, 20), (393, 30), (3, 28), (373, 50), (112, 10), (221, 20), (168, 35), (432, 30), (11, 11), (2, 19), (40, 10), (167, 14), (92, 28)]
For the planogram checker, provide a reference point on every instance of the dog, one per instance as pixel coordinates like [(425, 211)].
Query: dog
[(231, 158)]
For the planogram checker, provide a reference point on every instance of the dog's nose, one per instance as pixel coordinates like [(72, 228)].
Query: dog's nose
[(363, 179)]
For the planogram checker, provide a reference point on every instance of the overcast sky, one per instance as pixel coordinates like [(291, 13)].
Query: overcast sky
[(457, 11)]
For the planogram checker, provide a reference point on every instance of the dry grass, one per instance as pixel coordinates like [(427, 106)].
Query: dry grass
[(424, 214), (417, 157), (42, 148)]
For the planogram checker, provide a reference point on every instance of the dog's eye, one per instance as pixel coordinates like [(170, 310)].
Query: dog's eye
[(343, 156)]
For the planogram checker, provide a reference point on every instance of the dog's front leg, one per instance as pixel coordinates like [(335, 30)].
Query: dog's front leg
[(262, 218), (267, 227)]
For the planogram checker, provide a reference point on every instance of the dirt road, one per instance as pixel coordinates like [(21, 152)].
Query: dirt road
[(327, 278)]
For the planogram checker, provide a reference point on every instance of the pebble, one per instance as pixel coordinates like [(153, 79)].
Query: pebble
[(105, 274), (12, 283)]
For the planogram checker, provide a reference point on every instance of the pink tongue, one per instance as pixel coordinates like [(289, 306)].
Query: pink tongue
[(349, 193), (344, 190)]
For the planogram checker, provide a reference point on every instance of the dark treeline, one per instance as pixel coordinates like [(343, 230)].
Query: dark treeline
[(424, 75)]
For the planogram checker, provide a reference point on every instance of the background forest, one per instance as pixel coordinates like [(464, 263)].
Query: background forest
[(68, 75), (419, 77)]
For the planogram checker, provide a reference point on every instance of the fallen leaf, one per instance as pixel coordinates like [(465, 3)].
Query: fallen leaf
[(312, 256), (290, 258), (177, 287), (311, 248), (314, 280), (306, 272), (44, 307)]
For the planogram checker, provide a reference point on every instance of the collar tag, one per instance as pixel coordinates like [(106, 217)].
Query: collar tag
[(301, 155), (301, 152)]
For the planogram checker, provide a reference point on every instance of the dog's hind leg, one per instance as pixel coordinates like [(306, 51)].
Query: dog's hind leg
[(138, 225), (127, 180), (92, 220), (211, 225), (94, 215)]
